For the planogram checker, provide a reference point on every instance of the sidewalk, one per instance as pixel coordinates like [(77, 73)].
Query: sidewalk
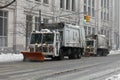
[(10, 57)]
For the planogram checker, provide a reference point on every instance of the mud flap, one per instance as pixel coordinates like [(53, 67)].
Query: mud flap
[(87, 54)]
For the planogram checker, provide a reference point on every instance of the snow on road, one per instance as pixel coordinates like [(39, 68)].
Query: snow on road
[(114, 77), (10, 57), (113, 52)]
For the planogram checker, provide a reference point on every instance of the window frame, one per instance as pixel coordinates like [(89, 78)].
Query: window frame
[(4, 28)]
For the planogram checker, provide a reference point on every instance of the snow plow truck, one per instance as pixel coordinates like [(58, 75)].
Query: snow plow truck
[(97, 45), (56, 40)]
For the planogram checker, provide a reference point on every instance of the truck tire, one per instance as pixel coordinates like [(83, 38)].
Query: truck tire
[(79, 56), (70, 57), (61, 56), (53, 58), (24, 58), (73, 56), (79, 53), (99, 53), (105, 53)]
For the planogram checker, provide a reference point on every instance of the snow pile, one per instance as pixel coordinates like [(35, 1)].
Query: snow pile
[(10, 57), (114, 77), (112, 52)]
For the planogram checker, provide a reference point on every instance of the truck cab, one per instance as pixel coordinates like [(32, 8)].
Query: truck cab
[(97, 45), (45, 41), (90, 46)]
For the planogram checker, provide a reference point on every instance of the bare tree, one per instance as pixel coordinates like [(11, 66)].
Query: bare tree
[(24, 29), (6, 5)]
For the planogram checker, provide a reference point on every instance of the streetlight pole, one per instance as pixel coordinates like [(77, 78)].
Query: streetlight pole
[(38, 28)]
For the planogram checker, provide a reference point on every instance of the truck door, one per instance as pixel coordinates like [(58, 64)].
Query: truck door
[(95, 46), (57, 43)]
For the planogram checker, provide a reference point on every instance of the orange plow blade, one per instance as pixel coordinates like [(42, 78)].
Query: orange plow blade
[(38, 56)]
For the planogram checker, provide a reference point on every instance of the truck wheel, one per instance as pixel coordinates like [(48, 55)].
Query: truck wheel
[(78, 56), (61, 56), (24, 59), (75, 56), (70, 57), (99, 53), (105, 53), (53, 58)]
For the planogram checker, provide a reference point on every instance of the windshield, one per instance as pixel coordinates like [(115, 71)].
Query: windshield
[(48, 38), (90, 43), (36, 38)]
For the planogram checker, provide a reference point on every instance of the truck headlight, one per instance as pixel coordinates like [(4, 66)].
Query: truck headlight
[(88, 46)]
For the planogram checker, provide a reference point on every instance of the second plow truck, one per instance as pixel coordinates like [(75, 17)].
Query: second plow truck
[(56, 40), (97, 45)]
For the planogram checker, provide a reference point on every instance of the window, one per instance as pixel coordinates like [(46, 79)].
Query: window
[(93, 12), (101, 15), (108, 34), (89, 2), (89, 11), (3, 28), (104, 3), (85, 27), (104, 16), (68, 4), (28, 25), (45, 20), (93, 30), (45, 1), (73, 36), (105, 32), (108, 3), (102, 31), (93, 3), (89, 30), (107, 16), (61, 3), (85, 9), (101, 3), (37, 23), (85, 1), (38, 0), (73, 5)]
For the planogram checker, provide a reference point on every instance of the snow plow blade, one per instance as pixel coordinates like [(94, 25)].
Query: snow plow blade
[(36, 56)]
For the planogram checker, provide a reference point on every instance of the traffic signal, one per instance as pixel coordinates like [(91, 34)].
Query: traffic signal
[(87, 18)]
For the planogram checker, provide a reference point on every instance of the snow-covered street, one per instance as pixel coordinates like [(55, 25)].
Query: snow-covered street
[(19, 57), (90, 65)]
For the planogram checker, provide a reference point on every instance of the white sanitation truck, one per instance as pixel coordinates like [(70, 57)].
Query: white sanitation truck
[(97, 45), (56, 40)]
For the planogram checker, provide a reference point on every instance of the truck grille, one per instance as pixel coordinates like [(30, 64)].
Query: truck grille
[(90, 49)]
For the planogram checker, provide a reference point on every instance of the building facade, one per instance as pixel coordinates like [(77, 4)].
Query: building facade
[(116, 25), (19, 19)]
